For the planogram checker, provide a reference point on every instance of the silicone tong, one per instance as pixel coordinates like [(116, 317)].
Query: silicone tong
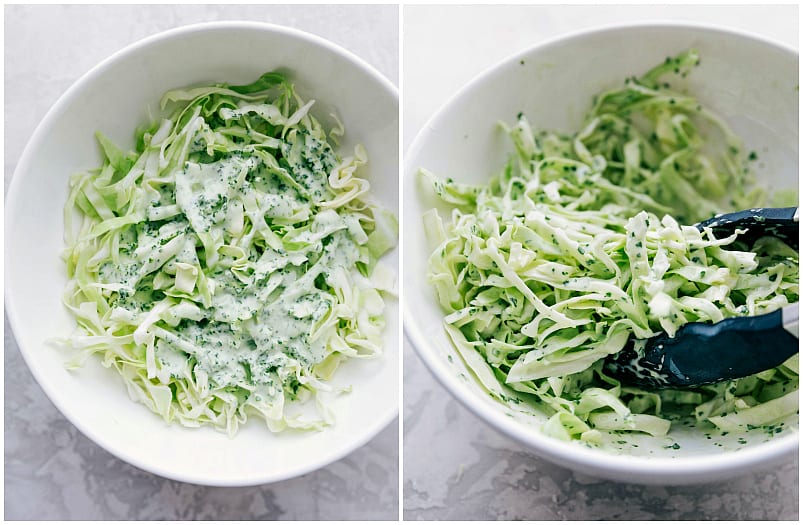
[(704, 353)]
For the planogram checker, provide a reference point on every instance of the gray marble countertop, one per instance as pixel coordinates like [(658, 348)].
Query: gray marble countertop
[(53, 472), (455, 466)]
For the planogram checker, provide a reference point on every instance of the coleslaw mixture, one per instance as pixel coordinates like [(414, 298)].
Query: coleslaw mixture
[(228, 266), (582, 242)]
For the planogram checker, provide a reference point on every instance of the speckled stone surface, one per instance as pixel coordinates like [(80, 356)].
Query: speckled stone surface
[(53, 472), (455, 466)]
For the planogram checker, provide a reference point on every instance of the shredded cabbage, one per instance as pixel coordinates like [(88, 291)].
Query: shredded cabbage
[(582, 242), (228, 266)]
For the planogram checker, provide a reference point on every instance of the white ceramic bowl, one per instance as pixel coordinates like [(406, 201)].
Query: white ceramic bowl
[(115, 97), (751, 82)]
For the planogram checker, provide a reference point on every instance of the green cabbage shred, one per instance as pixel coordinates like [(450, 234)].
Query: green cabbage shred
[(584, 241), (229, 265)]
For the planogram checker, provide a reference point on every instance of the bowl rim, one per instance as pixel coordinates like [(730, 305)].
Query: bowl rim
[(12, 202), (597, 462)]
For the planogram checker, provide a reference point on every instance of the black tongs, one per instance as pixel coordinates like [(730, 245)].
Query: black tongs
[(704, 353)]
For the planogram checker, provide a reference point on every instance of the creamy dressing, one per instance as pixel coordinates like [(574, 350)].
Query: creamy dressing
[(260, 317)]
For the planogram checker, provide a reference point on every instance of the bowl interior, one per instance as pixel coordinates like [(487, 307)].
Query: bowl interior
[(115, 98), (749, 82)]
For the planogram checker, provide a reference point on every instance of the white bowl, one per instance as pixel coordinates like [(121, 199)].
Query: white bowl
[(749, 81), (115, 97)]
